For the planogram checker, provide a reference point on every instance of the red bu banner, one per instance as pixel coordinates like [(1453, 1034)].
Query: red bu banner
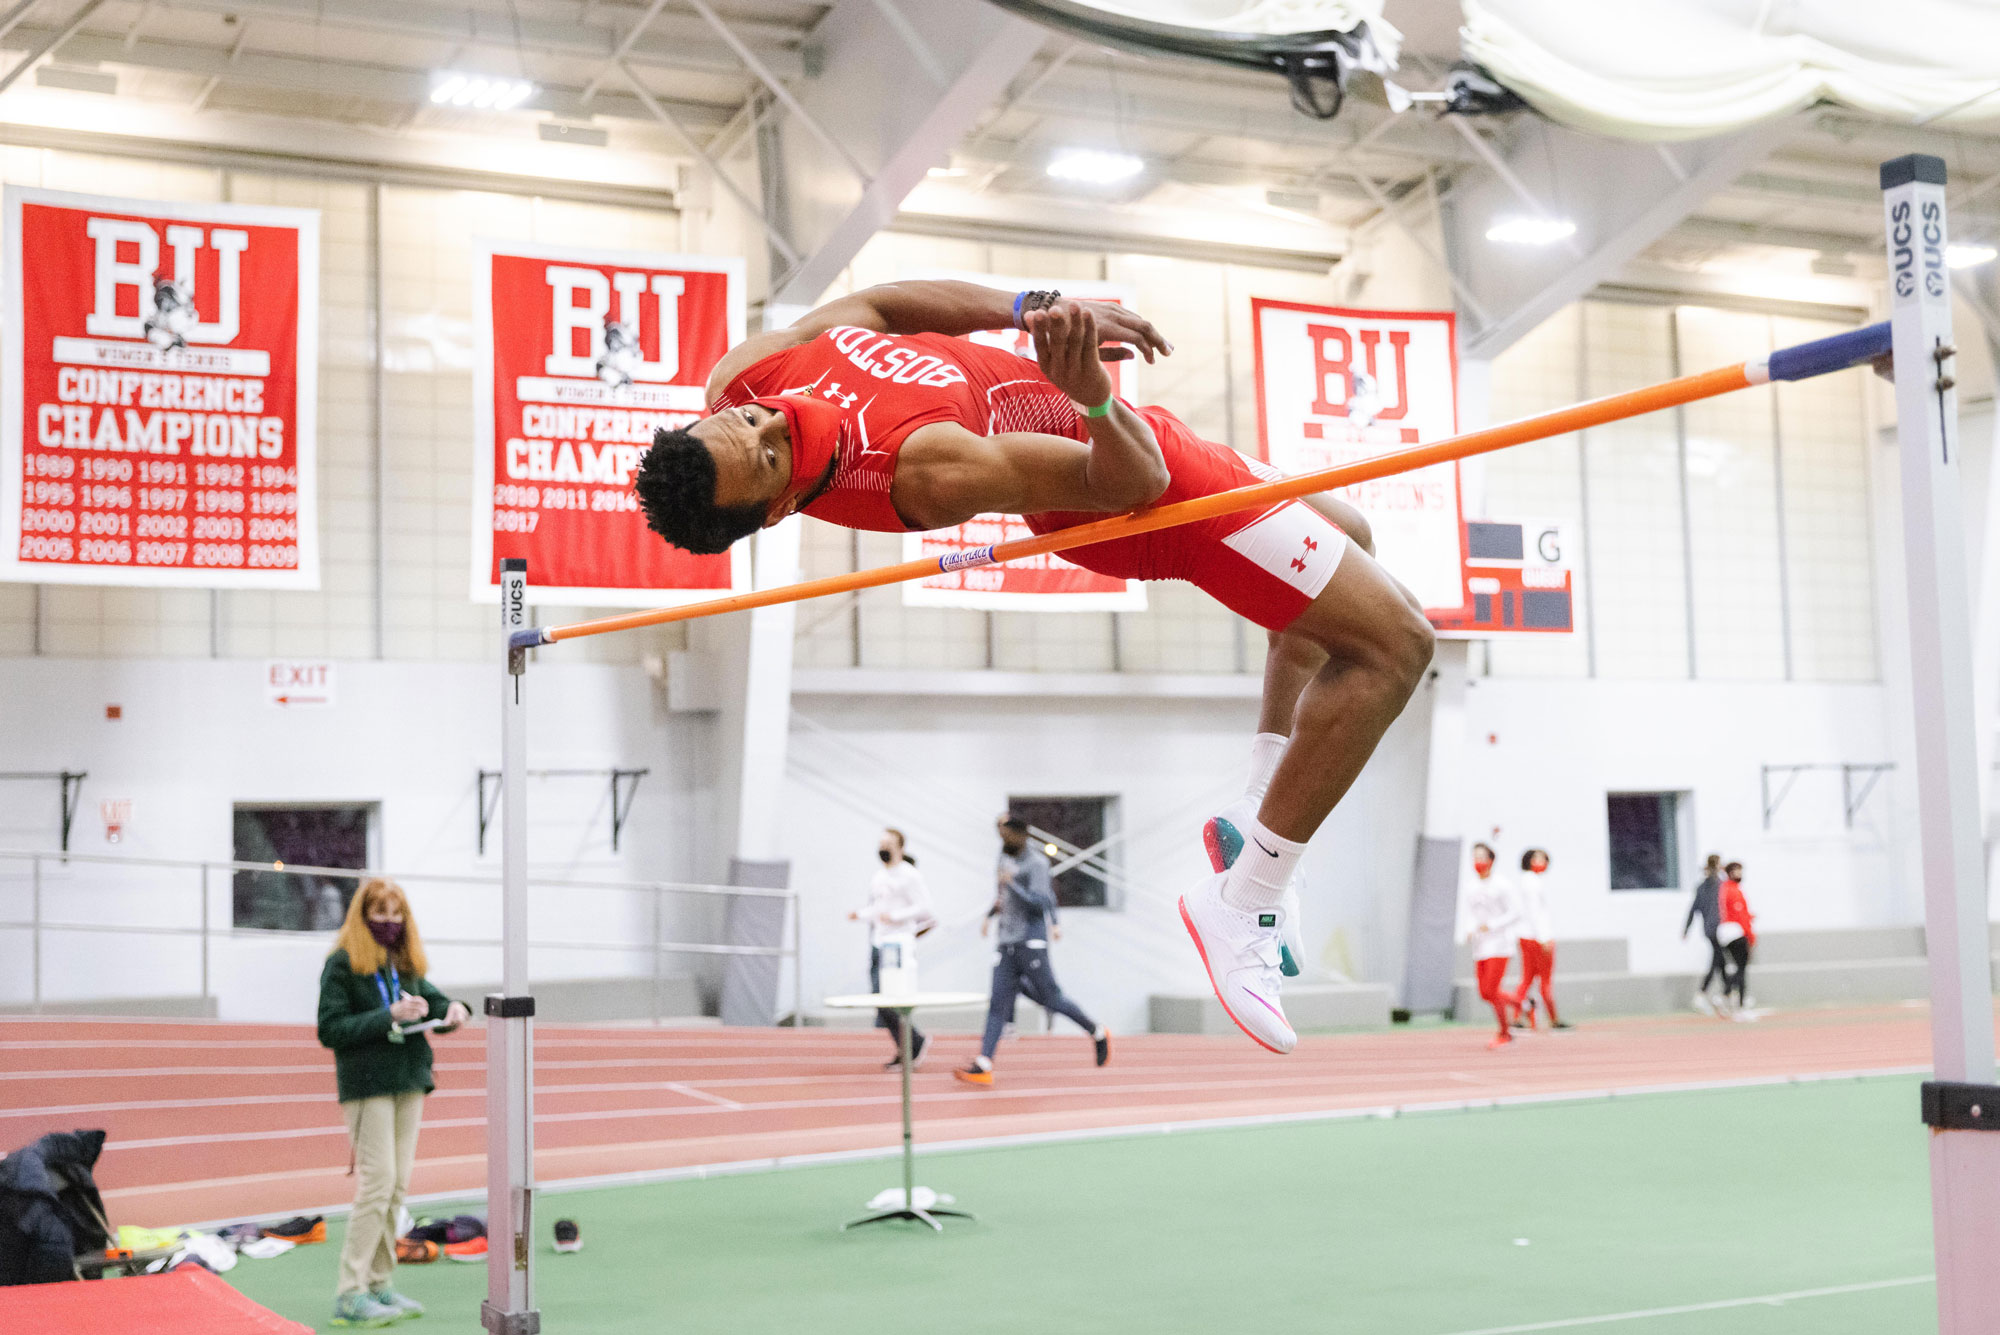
[(582, 356), (1338, 385), (1041, 583), (157, 393)]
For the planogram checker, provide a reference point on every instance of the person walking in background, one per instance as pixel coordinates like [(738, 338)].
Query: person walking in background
[(899, 904), (1707, 904), (1026, 908), (1494, 911), (371, 992), (1538, 942), (1738, 938)]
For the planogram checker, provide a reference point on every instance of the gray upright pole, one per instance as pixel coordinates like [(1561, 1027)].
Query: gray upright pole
[(509, 1308), (1962, 1104)]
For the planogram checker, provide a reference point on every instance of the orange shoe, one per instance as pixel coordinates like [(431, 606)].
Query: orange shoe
[(975, 1074), (299, 1230), (1498, 1041)]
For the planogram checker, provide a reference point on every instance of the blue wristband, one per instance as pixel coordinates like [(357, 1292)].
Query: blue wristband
[(1019, 297)]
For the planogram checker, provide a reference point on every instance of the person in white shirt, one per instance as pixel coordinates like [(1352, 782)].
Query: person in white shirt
[(1493, 910), (899, 903), (1538, 943)]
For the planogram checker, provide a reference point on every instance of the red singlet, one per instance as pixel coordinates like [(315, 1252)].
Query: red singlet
[(1265, 565)]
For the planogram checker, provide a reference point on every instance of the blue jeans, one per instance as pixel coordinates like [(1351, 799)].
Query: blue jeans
[(1023, 970)]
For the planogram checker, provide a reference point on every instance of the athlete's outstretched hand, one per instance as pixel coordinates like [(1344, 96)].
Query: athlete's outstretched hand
[(1117, 325), (1066, 338)]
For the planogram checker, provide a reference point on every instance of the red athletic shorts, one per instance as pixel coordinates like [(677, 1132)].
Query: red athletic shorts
[(1267, 565)]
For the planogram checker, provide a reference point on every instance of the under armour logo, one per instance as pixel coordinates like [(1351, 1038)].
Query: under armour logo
[(833, 392), (1299, 564), (1299, 561)]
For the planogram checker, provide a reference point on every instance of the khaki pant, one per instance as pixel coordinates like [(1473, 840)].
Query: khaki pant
[(384, 1132)]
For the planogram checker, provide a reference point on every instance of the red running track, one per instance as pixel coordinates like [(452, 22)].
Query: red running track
[(214, 1121)]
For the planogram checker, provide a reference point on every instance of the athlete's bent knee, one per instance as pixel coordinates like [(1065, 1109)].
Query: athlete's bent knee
[(1408, 643)]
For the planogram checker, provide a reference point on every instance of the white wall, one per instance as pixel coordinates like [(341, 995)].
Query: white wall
[(198, 736), (1541, 755)]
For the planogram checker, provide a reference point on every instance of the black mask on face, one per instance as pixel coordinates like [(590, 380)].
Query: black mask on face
[(388, 935), (886, 855)]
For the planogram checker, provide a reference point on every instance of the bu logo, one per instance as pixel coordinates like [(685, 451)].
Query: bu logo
[(164, 311), (1299, 561), (1361, 396), (581, 305)]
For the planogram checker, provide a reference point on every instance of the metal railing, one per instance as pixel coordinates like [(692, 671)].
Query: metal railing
[(38, 923)]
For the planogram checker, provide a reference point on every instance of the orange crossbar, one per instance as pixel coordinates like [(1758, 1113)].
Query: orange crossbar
[(1577, 417)]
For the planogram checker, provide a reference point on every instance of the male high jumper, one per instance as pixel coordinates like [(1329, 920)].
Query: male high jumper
[(874, 412)]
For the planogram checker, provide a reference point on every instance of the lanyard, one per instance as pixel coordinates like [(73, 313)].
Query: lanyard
[(394, 982)]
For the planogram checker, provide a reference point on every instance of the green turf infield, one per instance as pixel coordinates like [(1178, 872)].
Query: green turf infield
[(1530, 1217)]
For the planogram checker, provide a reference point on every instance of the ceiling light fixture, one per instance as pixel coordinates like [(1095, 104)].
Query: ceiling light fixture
[(947, 173), (478, 91), (1095, 166), (1966, 257), (1531, 231)]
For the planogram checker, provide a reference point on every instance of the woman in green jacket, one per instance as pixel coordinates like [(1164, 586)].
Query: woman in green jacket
[(372, 989)]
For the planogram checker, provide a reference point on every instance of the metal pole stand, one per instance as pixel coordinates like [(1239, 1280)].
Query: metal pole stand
[(509, 1308), (1962, 1106), (909, 1208)]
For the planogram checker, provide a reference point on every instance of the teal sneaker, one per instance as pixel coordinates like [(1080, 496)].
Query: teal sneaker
[(397, 1302), (361, 1309)]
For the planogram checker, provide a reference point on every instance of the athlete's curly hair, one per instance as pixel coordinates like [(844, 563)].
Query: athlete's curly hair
[(676, 486)]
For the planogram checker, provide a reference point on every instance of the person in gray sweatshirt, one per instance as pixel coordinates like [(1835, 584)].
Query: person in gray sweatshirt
[(1707, 906), (1025, 907)]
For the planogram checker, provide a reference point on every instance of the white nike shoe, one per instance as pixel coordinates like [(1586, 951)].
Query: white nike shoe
[(1241, 951), (1222, 838)]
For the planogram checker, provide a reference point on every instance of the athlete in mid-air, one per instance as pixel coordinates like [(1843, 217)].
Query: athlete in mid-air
[(874, 412)]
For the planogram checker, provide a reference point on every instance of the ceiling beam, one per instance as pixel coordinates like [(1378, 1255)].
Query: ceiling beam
[(365, 161), (890, 131), (1622, 197), (671, 41), (300, 74)]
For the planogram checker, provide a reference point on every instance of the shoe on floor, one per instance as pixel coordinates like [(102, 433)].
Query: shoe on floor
[(1222, 837), (1101, 1040), (1498, 1041), (1702, 1005), (472, 1249), (973, 1073), (397, 1302), (299, 1230), (361, 1309), (1561, 1024), (568, 1237), (917, 1051), (1241, 951)]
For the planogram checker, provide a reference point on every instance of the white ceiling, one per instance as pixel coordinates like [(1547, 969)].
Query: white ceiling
[(350, 78)]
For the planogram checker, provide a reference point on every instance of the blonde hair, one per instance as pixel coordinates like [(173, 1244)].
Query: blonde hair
[(363, 954)]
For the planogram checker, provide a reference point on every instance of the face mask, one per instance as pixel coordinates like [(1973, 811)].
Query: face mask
[(814, 428), (885, 855), (388, 935)]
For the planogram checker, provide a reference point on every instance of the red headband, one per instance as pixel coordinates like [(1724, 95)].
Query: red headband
[(814, 426)]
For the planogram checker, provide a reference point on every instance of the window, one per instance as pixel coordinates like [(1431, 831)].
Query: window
[(1081, 823), (1645, 840), (319, 835)]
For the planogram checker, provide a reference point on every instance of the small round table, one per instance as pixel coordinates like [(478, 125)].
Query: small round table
[(903, 1005)]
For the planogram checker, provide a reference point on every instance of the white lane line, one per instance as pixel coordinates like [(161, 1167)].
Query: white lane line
[(693, 1093), (992, 1096), (1765, 1300)]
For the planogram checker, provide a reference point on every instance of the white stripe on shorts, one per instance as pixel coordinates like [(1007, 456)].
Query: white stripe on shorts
[(1295, 542)]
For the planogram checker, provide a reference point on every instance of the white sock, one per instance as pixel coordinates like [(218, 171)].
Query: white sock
[(1266, 750), (1262, 870)]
